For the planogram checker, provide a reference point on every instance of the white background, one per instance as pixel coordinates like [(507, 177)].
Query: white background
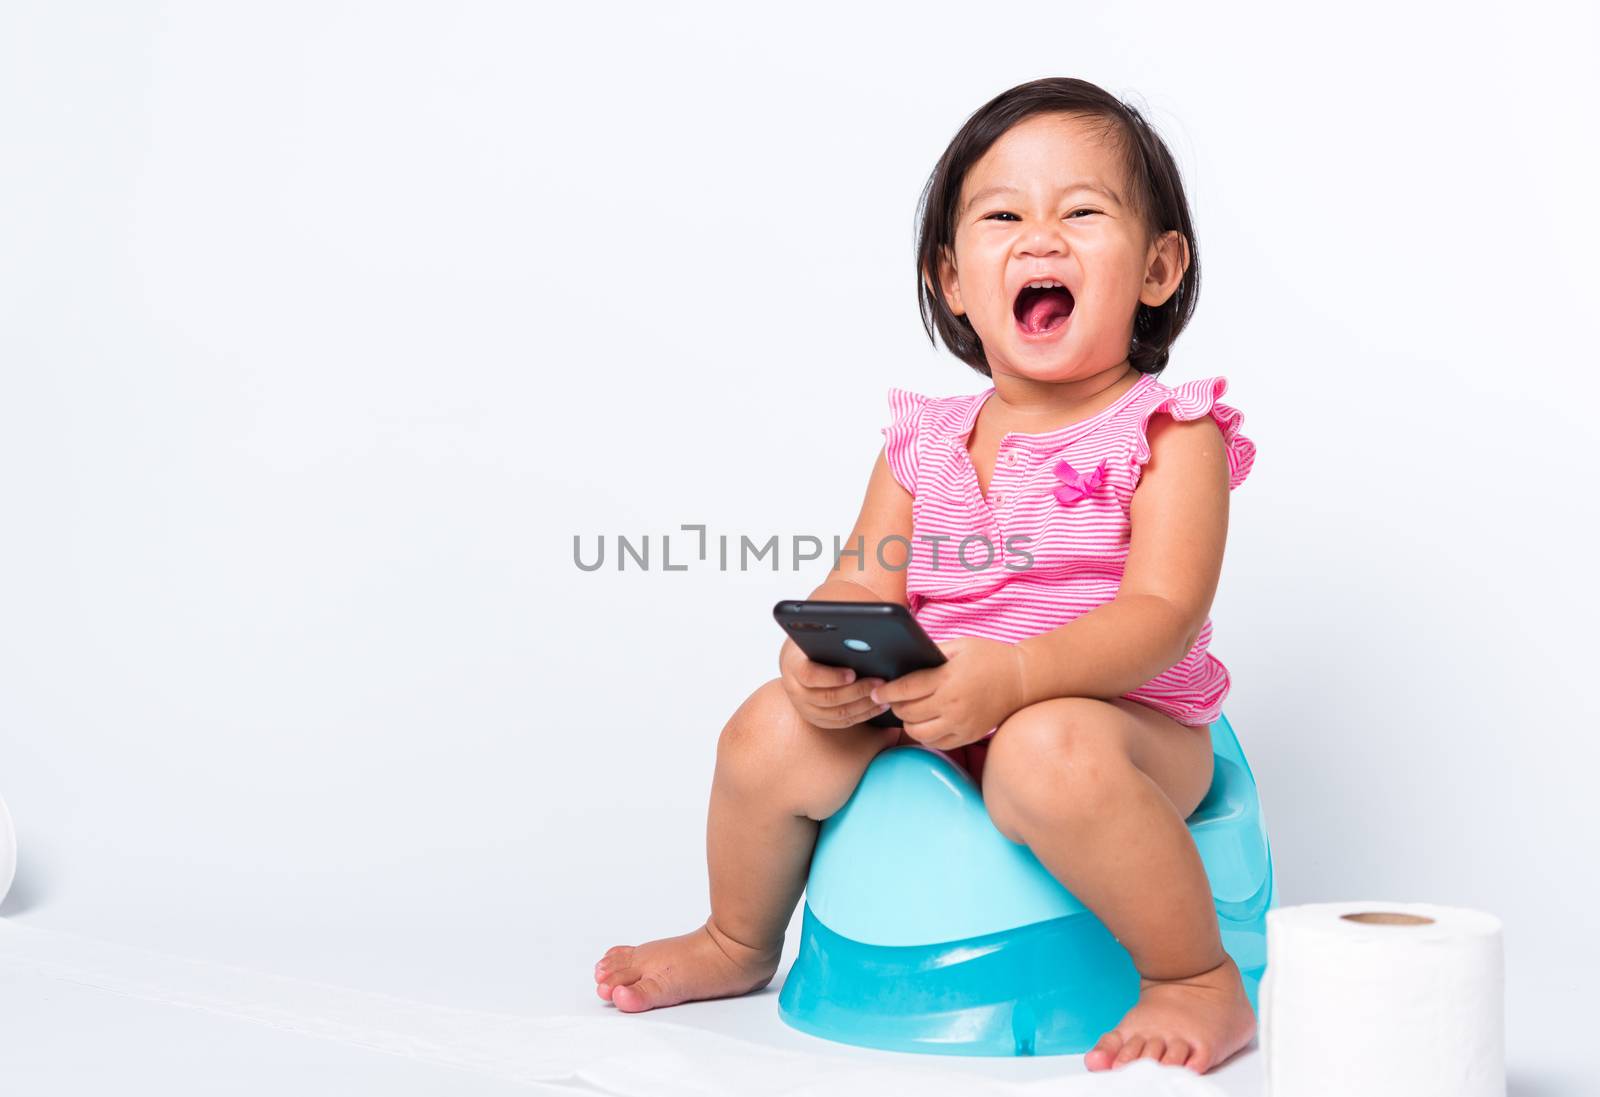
[(327, 326)]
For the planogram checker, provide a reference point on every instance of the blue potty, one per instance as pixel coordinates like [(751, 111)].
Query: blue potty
[(925, 929)]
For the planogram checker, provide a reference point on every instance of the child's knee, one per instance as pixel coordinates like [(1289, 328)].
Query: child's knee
[(760, 733), (1052, 761)]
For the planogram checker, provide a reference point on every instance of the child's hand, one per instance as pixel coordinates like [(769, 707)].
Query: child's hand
[(958, 703), (829, 697)]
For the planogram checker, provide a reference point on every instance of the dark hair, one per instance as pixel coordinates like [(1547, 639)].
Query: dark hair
[(1156, 195)]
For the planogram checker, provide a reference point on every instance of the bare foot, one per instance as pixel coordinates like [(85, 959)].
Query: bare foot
[(704, 963), (1198, 1022)]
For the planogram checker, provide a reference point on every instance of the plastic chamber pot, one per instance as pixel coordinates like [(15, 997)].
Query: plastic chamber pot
[(927, 930)]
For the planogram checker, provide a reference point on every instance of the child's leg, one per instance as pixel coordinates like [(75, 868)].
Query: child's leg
[(1099, 791), (777, 776)]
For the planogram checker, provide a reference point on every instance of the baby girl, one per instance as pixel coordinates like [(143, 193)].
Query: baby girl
[(1060, 536)]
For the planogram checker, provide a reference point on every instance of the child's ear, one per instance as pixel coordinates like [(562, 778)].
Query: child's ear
[(949, 283), (1168, 259)]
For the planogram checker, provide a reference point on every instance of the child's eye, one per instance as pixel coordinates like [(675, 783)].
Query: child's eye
[(1004, 213)]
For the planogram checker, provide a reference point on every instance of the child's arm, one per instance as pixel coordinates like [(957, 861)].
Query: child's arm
[(1179, 517), (886, 512)]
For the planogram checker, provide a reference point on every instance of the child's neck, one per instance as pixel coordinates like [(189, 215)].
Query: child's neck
[(1034, 406)]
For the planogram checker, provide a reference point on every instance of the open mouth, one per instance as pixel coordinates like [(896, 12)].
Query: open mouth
[(1041, 311)]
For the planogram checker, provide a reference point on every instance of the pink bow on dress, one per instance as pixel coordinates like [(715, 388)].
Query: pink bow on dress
[(1076, 485)]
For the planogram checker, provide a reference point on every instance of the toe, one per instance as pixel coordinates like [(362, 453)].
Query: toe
[(1154, 1048), (1199, 1059), (635, 997), (1177, 1052), (614, 958), (1130, 1050), (607, 986), (1101, 1056)]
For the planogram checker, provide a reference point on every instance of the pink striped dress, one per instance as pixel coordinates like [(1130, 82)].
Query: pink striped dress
[(1032, 557)]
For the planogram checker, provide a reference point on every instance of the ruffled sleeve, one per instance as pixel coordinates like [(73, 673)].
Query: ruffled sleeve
[(1191, 400), (900, 436)]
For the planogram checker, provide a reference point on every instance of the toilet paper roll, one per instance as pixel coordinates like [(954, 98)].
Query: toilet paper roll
[(1383, 999), (8, 851)]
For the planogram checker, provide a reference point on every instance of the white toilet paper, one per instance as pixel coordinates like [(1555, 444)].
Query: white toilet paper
[(8, 851), (1383, 999)]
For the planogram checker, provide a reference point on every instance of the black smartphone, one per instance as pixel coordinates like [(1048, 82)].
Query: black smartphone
[(874, 639)]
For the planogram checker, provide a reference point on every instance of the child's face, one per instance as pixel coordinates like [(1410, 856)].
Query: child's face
[(1048, 226)]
